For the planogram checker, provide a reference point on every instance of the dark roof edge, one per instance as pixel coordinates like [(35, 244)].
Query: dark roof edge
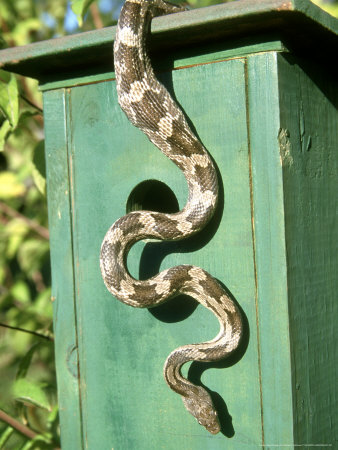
[(297, 19)]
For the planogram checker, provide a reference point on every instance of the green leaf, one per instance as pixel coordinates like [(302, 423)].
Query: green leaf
[(53, 417), (5, 15), (5, 129), (39, 167), (16, 227), (30, 393), (31, 254), (9, 98), (7, 433), (14, 243), (10, 186), (329, 7), (21, 32), (26, 362), (80, 7), (3, 45), (40, 442), (26, 115), (42, 305), (20, 292), (15, 232)]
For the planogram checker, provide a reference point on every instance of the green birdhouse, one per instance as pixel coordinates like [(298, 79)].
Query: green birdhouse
[(256, 81)]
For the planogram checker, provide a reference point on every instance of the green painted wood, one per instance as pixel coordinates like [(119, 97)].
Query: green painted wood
[(308, 146), (61, 243), (253, 122), (303, 24), (125, 401), (270, 257), (293, 141)]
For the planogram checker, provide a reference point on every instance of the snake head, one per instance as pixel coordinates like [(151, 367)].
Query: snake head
[(200, 405)]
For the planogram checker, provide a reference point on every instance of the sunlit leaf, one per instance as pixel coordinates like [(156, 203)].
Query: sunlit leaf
[(13, 243), (38, 443), (5, 435), (16, 227), (53, 416), (80, 7), (23, 8), (15, 232), (20, 292), (39, 167), (330, 7), (30, 393), (5, 14), (42, 304), (10, 186), (31, 254), (9, 98), (20, 34), (5, 129)]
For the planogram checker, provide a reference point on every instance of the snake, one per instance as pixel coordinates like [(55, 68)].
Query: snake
[(149, 106)]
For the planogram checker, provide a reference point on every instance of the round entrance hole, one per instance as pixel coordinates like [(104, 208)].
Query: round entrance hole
[(152, 195)]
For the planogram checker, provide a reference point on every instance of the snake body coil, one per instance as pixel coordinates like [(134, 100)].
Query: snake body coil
[(149, 106)]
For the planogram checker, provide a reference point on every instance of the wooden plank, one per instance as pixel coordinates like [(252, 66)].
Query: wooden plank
[(308, 145), (181, 59), (126, 403), (60, 224), (304, 24), (270, 256)]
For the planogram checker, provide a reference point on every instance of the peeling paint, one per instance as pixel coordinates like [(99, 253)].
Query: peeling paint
[(286, 6)]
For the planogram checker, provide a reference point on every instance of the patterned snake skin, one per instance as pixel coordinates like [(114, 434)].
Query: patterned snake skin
[(149, 106)]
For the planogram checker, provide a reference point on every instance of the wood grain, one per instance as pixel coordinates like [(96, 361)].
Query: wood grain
[(61, 243)]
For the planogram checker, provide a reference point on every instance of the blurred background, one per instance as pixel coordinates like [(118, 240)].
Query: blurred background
[(28, 401)]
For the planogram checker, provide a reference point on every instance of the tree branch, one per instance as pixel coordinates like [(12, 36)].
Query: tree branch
[(39, 229), (27, 97), (94, 11), (23, 330), (31, 103), (18, 426)]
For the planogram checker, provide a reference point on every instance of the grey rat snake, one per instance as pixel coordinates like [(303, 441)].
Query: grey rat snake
[(149, 106)]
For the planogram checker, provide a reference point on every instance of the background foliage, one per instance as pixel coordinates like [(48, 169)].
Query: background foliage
[(28, 406)]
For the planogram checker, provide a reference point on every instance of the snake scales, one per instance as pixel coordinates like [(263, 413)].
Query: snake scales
[(149, 106)]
